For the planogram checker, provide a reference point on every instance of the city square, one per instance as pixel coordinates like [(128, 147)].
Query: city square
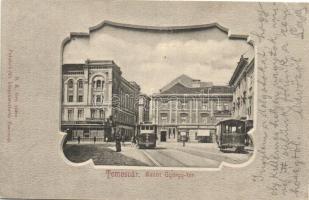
[(121, 115), (165, 155)]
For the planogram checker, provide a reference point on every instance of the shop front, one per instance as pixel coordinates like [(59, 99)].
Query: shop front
[(85, 132), (197, 134)]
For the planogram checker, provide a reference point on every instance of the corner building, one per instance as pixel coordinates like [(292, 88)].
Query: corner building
[(190, 107), (97, 101), (242, 82)]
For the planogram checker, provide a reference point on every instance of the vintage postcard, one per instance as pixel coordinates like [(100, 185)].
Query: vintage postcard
[(154, 100)]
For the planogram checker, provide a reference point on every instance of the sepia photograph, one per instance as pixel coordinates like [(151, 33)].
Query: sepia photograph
[(157, 96), (186, 100)]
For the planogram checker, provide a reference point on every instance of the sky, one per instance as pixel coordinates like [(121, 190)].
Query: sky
[(153, 59)]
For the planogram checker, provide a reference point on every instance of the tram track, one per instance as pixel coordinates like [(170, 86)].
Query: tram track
[(163, 154), (156, 163), (211, 155), (173, 158)]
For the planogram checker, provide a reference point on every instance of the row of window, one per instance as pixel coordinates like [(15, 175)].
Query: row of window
[(126, 100), (88, 133), (94, 114), (79, 99), (204, 106), (80, 84), (126, 118), (80, 114), (98, 84), (184, 118), (243, 111), (244, 85), (95, 98), (97, 114), (242, 101)]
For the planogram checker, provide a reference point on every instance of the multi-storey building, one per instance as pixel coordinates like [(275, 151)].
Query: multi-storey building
[(190, 107), (97, 101), (242, 82), (143, 108)]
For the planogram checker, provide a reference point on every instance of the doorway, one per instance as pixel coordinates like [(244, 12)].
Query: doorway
[(163, 136)]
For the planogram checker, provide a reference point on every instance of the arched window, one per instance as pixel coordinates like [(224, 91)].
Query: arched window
[(98, 83), (80, 91), (70, 94), (80, 84), (97, 89), (70, 84)]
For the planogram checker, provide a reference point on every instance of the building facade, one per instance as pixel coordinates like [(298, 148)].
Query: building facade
[(190, 107), (143, 108), (242, 82), (97, 101)]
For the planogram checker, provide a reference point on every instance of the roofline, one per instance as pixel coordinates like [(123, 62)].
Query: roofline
[(238, 68), (111, 63), (94, 62), (72, 64), (137, 86), (196, 94), (103, 63), (177, 81), (163, 89), (89, 61)]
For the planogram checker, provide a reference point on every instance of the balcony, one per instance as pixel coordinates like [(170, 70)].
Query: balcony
[(87, 121), (222, 112), (96, 119), (99, 89)]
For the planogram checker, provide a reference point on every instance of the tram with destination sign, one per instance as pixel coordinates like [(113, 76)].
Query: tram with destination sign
[(233, 134), (147, 135)]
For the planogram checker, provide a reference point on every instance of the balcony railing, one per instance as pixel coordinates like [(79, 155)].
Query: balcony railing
[(222, 112), (97, 121)]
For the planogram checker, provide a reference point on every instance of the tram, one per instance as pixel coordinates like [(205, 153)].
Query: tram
[(232, 133), (146, 135)]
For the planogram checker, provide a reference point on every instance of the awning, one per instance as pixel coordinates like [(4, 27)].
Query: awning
[(125, 127), (203, 133)]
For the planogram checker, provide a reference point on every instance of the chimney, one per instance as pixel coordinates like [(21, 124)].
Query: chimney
[(196, 83)]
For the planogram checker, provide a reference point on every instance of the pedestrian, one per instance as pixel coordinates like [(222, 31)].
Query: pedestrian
[(94, 139), (78, 139), (118, 142)]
